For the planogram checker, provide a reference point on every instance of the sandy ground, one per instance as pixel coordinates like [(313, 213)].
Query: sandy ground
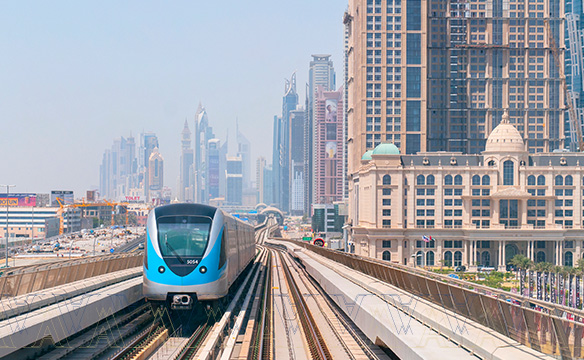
[(81, 245)]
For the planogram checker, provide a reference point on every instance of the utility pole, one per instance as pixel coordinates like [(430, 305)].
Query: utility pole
[(7, 209)]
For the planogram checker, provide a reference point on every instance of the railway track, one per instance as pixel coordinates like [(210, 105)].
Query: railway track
[(274, 299), (97, 341), (327, 331)]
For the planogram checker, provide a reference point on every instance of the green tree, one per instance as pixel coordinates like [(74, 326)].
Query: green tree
[(521, 262)]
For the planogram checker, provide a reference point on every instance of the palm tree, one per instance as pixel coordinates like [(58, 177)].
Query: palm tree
[(521, 262)]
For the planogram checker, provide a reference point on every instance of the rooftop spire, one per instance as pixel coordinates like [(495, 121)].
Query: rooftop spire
[(505, 118)]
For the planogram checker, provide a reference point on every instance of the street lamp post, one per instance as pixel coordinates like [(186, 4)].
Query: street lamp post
[(7, 210)]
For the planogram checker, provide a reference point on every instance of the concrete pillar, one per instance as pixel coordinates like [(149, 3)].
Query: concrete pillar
[(495, 212), (500, 254), (400, 251), (523, 217)]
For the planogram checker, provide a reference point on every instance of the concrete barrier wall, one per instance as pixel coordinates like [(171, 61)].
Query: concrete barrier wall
[(24, 280)]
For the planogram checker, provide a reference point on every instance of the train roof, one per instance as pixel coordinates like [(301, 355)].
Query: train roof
[(186, 209)]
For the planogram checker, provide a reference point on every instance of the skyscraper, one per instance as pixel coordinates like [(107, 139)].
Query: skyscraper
[(234, 177), (320, 73), (118, 170), (260, 178), (328, 146), (289, 103), (574, 67), (440, 79), (213, 168), (203, 133), (186, 165), (148, 141), (297, 157), (155, 174), (275, 193), (244, 150)]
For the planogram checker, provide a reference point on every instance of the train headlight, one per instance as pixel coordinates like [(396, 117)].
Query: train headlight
[(203, 269), (161, 269)]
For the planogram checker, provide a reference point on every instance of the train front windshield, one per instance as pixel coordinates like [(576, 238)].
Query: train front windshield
[(183, 236)]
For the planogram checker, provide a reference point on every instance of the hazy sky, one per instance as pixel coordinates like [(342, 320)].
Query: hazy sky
[(74, 75)]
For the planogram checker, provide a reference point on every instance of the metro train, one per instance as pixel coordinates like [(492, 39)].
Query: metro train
[(193, 253)]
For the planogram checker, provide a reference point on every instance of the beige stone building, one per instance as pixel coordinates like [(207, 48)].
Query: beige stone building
[(479, 209)]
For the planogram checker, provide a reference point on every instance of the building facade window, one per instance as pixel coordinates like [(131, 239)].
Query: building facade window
[(508, 172)]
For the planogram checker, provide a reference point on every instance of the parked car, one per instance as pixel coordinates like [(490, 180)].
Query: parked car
[(460, 268)]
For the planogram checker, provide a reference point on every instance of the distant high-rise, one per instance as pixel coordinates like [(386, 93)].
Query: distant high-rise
[(213, 168), (148, 141), (203, 133), (118, 170), (297, 157), (289, 103), (244, 150), (155, 174), (260, 178), (186, 165), (234, 175), (275, 195), (328, 146), (320, 73)]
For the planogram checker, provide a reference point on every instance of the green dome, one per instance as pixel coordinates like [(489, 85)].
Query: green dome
[(386, 149), (367, 155)]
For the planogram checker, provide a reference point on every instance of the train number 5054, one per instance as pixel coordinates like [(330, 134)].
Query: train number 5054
[(192, 262)]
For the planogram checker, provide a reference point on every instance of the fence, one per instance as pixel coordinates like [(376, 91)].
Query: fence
[(548, 328), (24, 280)]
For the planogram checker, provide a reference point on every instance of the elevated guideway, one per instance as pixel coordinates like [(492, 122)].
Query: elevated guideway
[(397, 310)]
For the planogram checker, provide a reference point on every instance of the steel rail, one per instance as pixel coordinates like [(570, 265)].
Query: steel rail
[(316, 343)]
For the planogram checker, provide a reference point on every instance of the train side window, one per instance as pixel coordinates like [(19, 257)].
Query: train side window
[(222, 252)]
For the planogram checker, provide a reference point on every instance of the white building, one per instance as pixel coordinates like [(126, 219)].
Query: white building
[(479, 209)]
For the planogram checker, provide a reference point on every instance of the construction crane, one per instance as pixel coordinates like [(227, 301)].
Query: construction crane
[(573, 116)]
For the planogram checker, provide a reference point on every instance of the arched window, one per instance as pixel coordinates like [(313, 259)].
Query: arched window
[(458, 180), (458, 258), (419, 258), (491, 163), (448, 258), (541, 180), (430, 180), (485, 258), (386, 256), (420, 180), (559, 180), (540, 257), (531, 180), (430, 258), (448, 180), (386, 180), (486, 180), (476, 180), (568, 258), (569, 181), (508, 172)]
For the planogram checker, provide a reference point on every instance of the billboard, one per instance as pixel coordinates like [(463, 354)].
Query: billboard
[(18, 200), (64, 196), (91, 195), (331, 110)]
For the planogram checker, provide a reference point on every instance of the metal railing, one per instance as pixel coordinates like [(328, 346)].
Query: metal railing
[(548, 328), (27, 279)]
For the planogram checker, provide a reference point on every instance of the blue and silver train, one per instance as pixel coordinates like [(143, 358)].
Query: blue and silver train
[(193, 253)]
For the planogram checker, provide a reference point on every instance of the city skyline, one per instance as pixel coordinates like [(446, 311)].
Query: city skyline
[(81, 75)]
